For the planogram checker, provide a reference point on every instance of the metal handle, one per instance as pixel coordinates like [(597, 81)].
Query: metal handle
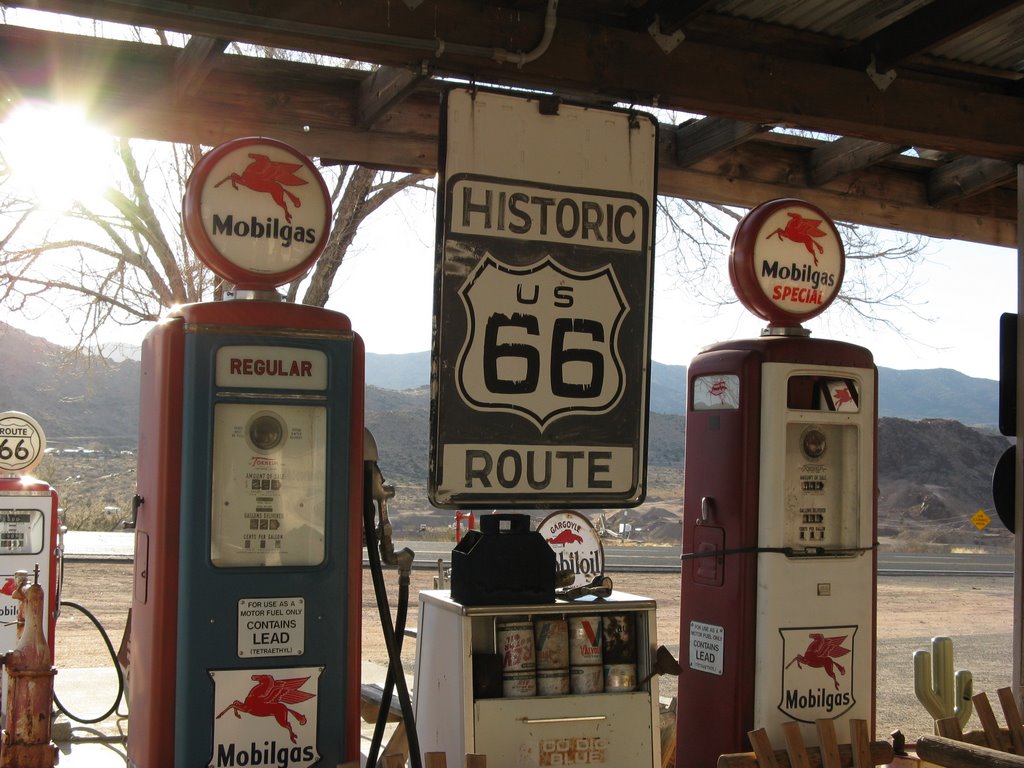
[(585, 719)]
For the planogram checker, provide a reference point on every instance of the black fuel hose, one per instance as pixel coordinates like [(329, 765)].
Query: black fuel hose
[(389, 681), (387, 626), (117, 668)]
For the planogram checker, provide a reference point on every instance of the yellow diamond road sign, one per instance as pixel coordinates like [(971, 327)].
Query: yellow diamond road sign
[(980, 519)]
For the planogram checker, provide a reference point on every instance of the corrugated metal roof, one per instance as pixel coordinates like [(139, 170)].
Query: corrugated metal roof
[(997, 43)]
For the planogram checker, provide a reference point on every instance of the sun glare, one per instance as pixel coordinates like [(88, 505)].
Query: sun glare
[(55, 155)]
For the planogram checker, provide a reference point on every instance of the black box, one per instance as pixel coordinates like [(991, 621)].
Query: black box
[(504, 563)]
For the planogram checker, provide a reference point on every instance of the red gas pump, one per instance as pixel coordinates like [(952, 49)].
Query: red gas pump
[(246, 605), (778, 572), (29, 524)]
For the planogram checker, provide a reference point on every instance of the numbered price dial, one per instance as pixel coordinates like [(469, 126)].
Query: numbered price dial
[(22, 443)]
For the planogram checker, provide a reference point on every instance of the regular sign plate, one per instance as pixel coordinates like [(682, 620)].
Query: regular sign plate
[(542, 304)]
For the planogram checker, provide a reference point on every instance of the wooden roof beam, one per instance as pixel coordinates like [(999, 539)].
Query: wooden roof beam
[(704, 137), (313, 108), (197, 58), (966, 177), (382, 90), (708, 78), (845, 155)]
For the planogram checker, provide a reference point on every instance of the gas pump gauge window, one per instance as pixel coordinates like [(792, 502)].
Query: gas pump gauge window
[(813, 443), (265, 432), (269, 485), (21, 531)]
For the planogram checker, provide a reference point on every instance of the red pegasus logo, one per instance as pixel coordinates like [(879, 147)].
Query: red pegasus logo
[(266, 175), (268, 698), (843, 396), (801, 230), (821, 654), (566, 537)]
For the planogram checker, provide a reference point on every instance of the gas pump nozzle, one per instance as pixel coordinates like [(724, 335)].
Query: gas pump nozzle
[(381, 492)]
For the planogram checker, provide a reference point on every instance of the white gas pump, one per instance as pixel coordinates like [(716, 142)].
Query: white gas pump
[(777, 618)]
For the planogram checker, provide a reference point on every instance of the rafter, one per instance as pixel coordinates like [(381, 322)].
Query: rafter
[(315, 107), (701, 138), (381, 91), (845, 155), (723, 78), (194, 63), (966, 177)]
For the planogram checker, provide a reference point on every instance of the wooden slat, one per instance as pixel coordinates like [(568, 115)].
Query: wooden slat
[(476, 761), (949, 727), (393, 761), (966, 177), (828, 744), (1011, 714), (194, 63), (708, 136), (881, 753), (435, 760), (763, 750), (958, 754), (846, 155), (381, 91), (795, 747), (988, 721), (860, 743)]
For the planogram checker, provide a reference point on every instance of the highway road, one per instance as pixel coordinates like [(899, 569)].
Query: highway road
[(657, 559)]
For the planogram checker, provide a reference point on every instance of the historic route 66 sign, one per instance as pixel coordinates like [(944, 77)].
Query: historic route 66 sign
[(542, 340), (542, 304)]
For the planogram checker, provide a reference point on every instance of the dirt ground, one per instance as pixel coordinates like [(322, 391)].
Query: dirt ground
[(977, 612)]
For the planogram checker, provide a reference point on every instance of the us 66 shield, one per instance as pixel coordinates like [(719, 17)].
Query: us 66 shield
[(542, 307)]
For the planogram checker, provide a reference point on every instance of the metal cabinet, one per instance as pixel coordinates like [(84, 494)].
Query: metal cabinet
[(606, 729)]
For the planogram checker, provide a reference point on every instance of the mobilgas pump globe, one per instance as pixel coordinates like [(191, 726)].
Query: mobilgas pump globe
[(779, 513), (245, 632)]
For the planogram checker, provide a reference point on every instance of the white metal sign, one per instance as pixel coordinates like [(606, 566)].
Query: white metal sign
[(542, 304), (576, 544), (265, 716), (22, 442), (271, 626), (707, 647)]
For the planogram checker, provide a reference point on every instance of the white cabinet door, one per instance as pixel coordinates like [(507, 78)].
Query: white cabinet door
[(611, 730)]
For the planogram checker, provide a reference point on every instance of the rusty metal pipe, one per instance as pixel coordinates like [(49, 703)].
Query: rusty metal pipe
[(26, 742)]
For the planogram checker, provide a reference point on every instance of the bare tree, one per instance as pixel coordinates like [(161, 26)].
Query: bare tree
[(125, 259), (695, 237)]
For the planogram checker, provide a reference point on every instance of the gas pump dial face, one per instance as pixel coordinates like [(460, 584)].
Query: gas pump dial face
[(813, 443)]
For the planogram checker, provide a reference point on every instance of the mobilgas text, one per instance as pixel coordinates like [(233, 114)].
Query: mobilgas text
[(802, 275), (270, 228), (820, 699), (269, 754)]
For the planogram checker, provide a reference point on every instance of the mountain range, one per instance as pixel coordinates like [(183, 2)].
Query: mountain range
[(936, 435)]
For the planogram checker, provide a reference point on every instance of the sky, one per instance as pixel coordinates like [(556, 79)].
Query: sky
[(962, 289), (385, 286)]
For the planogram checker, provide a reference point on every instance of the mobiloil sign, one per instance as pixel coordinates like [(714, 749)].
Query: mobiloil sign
[(779, 519), (245, 632)]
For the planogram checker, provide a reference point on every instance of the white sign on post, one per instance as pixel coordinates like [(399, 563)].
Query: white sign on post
[(542, 304)]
